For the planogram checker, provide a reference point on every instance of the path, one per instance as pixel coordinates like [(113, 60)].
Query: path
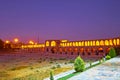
[(110, 70), (67, 72)]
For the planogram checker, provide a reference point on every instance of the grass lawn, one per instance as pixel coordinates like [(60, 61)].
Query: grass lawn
[(76, 73)]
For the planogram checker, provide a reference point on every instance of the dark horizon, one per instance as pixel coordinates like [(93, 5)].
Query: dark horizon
[(71, 20)]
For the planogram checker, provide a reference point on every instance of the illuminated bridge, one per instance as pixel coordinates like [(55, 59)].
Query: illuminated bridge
[(98, 47)]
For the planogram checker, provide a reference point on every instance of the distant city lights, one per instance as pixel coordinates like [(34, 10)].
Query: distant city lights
[(16, 40), (7, 41)]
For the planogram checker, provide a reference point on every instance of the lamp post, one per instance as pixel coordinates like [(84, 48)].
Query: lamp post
[(16, 45), (7, 44), (16, 40), (7, 41)]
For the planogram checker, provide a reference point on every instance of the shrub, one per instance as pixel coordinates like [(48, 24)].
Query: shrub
[(107, 57), (58, 66), (90, 63), (71, 61), (50, 62), (112, 53), (37, 70), (65, 63), (39, 61), (117, 49), (31, 68), (103, 59), (1, 44), (53, 67), (99, 61), (51, 75), (79, 64)]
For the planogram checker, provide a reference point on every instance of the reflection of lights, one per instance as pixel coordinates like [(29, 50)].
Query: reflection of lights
[(16, 40), (31, 42), (7, 41)]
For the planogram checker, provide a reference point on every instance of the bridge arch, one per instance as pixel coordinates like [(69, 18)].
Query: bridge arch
[(91, 43), (97, 43), (79, 43), (118, 41), (53, 43), (114, 41), (47, 43), (106, 42), (110, 42), (101, 43), (86, 43)]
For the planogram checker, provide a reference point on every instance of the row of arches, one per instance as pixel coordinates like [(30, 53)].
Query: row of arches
[(52, 43), (110, 42), (79, 50), (83, 51)]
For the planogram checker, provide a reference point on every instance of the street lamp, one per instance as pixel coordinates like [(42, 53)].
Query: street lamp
[(16, 40), (7, 41)]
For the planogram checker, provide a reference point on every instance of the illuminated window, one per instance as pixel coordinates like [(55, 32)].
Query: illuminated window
[(73, 43), (88, 43), (93, 43), (79, 43), (61, 44), (47, 43), (65, 44), (110, 41), (53, 43), (76, 43), (114, 41), (82, 43), (34, 46), (39, 45), (97, 43), (102, 43), (22, 46), (118, 41), (106, 42), (85, 43), (70, 43)]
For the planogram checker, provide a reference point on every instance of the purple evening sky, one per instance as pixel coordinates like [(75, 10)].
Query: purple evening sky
[(59, 19)]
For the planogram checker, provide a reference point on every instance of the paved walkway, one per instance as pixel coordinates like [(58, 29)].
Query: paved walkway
[(110, 70), (68, 72)]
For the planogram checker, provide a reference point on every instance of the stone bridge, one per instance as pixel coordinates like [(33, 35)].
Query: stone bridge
[(84, 48)]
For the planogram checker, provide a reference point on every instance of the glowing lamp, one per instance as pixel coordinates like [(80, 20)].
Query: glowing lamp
[(16, 40), (7, 41)]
